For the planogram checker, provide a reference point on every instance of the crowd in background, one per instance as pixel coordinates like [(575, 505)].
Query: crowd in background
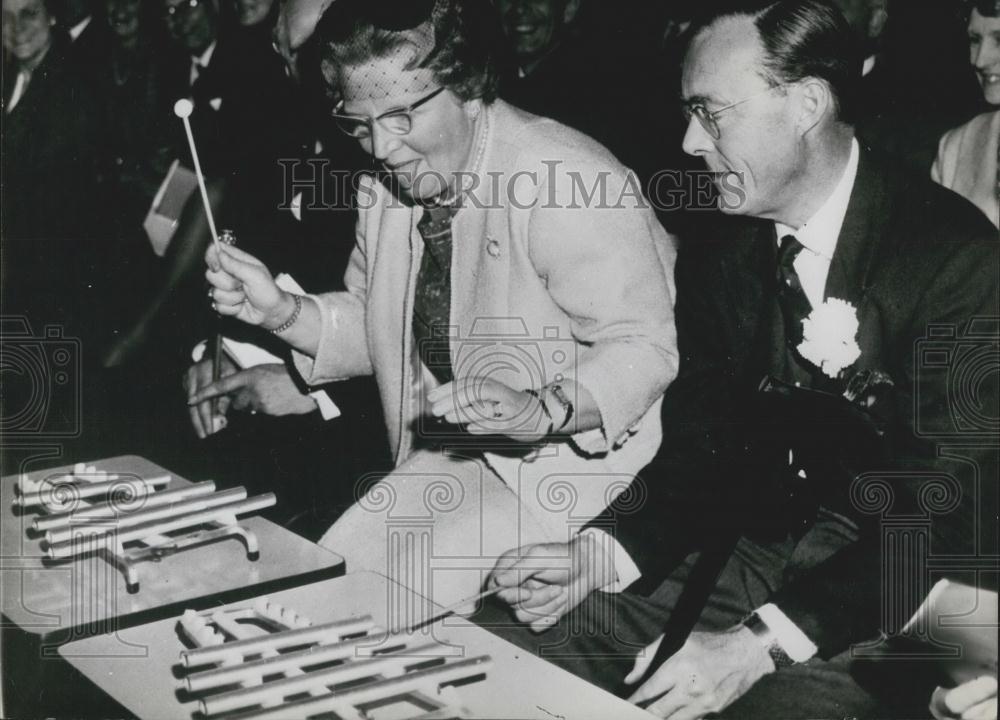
[(89, 133)]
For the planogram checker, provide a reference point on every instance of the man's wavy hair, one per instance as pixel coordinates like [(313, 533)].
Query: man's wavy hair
[(801, 38), (458, 40)]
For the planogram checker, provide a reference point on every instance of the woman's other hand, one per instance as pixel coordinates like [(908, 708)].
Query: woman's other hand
[(485, 406)]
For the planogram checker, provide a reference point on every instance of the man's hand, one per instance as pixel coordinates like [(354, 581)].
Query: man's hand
[(263, 388), (974, 700), (202, 413), (551, 578), (489, 407), (706, 675)]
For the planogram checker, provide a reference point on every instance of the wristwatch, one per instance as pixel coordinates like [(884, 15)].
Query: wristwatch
[(567, 405), (765, 635)]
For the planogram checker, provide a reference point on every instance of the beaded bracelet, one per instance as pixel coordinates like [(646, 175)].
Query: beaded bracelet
[(291, 320)]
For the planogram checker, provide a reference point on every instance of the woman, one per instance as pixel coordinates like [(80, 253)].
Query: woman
[(508, 287), (968, 155)]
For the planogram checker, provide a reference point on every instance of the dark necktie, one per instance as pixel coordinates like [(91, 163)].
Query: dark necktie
[(792, 298), (432, 299)]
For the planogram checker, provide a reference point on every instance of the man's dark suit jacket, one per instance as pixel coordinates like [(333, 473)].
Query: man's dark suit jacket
[(242, 131), (50, 221), (92, 47), (919, 263)]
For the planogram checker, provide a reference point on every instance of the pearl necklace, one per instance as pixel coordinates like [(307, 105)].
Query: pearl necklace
[(478, 160)]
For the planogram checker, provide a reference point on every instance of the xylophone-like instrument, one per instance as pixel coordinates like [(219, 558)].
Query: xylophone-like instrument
[(130, 519), (266, 661)]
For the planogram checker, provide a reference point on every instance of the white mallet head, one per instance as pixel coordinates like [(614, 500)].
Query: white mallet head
[(183, 108)]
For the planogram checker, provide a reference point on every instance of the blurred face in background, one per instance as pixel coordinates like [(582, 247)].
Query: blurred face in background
[(296, 23), (867, 19), (191, 23), (252, 12), (984, 53), (123, 18), (535, 26), (27, 30)]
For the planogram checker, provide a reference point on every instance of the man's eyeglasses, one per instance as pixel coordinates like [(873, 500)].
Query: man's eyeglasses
[(180, 10), (398, 122), (707, 118)]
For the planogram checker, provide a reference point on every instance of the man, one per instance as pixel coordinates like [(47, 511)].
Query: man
[(239, 91), (907, 98), (536, 29), (551, 72), (50, 167), (591, 66), (240, 98), (313, 255), (868, 20), (768, 93), (558, 68)]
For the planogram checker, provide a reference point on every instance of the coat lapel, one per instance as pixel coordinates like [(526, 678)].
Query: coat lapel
[(749, 273), (864, 225), (394, 261), (851, 269)]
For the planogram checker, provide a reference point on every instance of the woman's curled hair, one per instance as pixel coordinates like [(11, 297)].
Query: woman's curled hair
[(457, 40)]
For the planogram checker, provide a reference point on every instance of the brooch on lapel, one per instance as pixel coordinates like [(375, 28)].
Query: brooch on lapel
[(867, 386), (492, 247), (829, 336)]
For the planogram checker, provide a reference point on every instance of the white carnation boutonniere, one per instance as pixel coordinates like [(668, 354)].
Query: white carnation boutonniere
[(829, 336)]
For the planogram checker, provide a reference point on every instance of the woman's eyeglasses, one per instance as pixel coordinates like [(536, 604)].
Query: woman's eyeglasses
[(398, 122)]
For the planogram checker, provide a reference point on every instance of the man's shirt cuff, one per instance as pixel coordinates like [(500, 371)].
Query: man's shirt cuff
[(792, 640), (327, 408), (623, 567)]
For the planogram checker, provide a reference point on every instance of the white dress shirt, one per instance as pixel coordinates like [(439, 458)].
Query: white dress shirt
[(819, 234), (21, 81), (200, 63), (868, 65), (20, 87), (77, 30)]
